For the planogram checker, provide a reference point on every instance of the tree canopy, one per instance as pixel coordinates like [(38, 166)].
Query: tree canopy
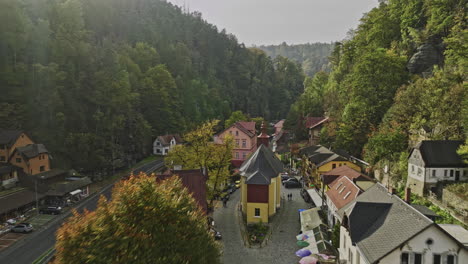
[(145, 222), (97, 80)]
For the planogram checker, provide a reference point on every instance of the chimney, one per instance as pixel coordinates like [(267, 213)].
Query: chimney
[(408, 195), (393, 190), (263, 138)]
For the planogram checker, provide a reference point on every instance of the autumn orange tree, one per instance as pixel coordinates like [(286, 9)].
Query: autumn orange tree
[(144, 222)]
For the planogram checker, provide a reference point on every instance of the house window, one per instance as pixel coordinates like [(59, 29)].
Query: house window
[(42, 168), (445, 173), (333, 165), (451, 173), (158, 144), (237, 142), (158, 151), (257, 212), (230, 132), (237, 133), (350, 256), (412, 168), (244, 155), (436, 259), (237, 155), (417, 258), (18, 160), (358, 258), (2, 158), (451, 259), (411, 258), (433, 173), (244, 143), (404, 258), (344, 241)]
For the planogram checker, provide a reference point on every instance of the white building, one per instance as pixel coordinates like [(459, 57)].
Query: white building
[(162, 144), (432, 161), (381, 228)]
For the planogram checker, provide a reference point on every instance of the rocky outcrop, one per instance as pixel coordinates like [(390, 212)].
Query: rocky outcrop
[(426, 56)]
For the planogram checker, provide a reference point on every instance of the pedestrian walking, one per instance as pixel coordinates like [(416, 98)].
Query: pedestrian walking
[(224, 202), (291, 196)]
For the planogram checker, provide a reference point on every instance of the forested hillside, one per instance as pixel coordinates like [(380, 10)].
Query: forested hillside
[(96, 80), (401, 76), (312, 56)]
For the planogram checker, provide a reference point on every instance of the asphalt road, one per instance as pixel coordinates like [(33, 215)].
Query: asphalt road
[(39, 241)]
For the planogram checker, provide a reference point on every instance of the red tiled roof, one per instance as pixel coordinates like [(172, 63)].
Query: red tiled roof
[(248, 125), (329, 176), (312, 122), (194, 181), (342, 191)]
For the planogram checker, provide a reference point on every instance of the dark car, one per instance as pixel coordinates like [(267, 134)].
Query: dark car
[(284, 176), (292, 179), (22, 228), (292, 184), (54, 210)]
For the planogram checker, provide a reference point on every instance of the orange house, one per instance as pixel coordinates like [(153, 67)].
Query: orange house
[(33, 158), (245, 140), (10, 140)]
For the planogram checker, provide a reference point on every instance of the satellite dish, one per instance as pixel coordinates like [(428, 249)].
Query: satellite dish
[(385, 169)]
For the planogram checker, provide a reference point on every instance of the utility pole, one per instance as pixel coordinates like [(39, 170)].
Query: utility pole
[(37, 201)]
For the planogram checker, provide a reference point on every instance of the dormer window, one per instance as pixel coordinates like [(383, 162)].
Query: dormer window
[(347, 194), (339, 185), (344, 187)]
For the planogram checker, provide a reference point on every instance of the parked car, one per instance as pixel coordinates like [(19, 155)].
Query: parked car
[(231, 190), (216, 234), (284, 176), (292, 184), (22, 228), (292, 179), (54, 210), (305, 195)]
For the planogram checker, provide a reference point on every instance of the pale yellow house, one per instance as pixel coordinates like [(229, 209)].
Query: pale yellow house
[(260, 185)]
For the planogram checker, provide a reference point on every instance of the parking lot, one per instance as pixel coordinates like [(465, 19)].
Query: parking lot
[(40, 220), (9, 238)]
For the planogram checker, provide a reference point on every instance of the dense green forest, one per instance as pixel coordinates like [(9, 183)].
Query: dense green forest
[(96, 80), (313, 57), (404, 71)]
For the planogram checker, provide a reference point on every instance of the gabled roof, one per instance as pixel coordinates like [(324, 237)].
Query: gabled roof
[(380, 222), (457, 232), (194, 181), (309, 150), (250, 126), (18, 199), (32, 150), (329, 176), (50, 174), (261, 167), (166, 139), (440, 153), (334, 157), (342, 191), (8, 137), (279, 124), (312, 122)]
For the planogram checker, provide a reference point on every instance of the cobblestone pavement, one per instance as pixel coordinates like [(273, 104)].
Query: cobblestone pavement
[(280, 247)]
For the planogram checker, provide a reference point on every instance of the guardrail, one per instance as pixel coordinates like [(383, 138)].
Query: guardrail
[(47, 257)]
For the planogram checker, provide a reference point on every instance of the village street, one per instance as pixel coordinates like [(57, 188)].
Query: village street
[(282, 243)]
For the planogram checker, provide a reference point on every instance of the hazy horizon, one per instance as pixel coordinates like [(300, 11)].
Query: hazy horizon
[(272, 22)]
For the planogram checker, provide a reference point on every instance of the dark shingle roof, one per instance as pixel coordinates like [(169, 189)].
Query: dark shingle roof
[(395, 222), (50, 174), (7, 168), (166, 139), (18, 199), (424, 210), (261, 167), (8, 137), (441, 153), (32, 150)]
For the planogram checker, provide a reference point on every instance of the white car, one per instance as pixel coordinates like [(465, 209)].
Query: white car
[(22, 228)]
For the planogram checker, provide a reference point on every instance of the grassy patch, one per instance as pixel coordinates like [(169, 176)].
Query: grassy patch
[(257, 232)]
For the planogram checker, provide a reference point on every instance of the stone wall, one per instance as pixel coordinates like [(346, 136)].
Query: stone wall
[(454, 200)]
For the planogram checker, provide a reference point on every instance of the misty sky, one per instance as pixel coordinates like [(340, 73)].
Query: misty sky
[(257, 22)]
